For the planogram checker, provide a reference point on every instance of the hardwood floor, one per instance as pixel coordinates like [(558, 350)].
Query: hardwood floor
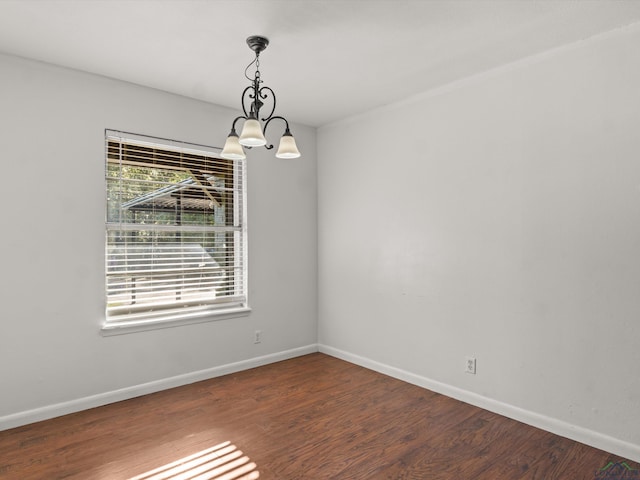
[(313, 417)]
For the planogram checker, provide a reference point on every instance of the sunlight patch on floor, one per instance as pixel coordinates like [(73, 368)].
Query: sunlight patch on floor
[(222, 462)]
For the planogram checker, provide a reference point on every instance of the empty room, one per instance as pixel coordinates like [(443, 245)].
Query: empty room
[(316, 239)]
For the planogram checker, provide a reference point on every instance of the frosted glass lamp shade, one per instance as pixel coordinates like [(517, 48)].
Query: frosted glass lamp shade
[(232, 149), (252, 135), (287, 147)]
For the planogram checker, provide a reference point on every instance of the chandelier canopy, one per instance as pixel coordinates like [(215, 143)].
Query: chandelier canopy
[(253, 130)]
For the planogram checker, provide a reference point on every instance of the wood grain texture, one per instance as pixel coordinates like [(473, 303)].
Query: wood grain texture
[(312, 417)]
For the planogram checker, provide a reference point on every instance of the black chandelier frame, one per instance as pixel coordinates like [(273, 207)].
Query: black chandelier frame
[(254, 94)]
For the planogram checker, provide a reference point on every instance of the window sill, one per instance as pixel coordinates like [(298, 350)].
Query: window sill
[(110, 329)]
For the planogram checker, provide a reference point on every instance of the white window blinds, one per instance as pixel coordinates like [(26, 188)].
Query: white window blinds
[(175, 231)]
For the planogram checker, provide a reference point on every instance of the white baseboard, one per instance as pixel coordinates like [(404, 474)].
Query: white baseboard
[(579, 434), (72, 406)]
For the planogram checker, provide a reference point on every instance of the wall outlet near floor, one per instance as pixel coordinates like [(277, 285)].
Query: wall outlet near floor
[(470, 365), (257, 336)]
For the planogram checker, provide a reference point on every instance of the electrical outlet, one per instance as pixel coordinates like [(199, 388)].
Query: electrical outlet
[(470, 366), (257, 336)]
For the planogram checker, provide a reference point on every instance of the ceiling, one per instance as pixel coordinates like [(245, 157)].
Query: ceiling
[(327, 59)]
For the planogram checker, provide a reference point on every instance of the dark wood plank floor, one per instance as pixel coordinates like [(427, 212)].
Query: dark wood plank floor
[(313, 417)]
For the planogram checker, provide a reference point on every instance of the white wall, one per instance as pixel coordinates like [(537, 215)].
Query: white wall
[(52, 123), (499, 218)]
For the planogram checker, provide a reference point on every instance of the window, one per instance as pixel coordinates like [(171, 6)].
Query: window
[(175, 233)]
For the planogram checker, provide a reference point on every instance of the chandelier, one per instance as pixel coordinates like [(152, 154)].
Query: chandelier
[(252, 134)]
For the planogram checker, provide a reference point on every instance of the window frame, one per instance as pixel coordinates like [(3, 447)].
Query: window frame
[(171, 314)]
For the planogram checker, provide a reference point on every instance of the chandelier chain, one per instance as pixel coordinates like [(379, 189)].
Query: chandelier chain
[(256, 61)]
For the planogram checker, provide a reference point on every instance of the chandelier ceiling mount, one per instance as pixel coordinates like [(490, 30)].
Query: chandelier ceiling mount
[(257, 43)]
